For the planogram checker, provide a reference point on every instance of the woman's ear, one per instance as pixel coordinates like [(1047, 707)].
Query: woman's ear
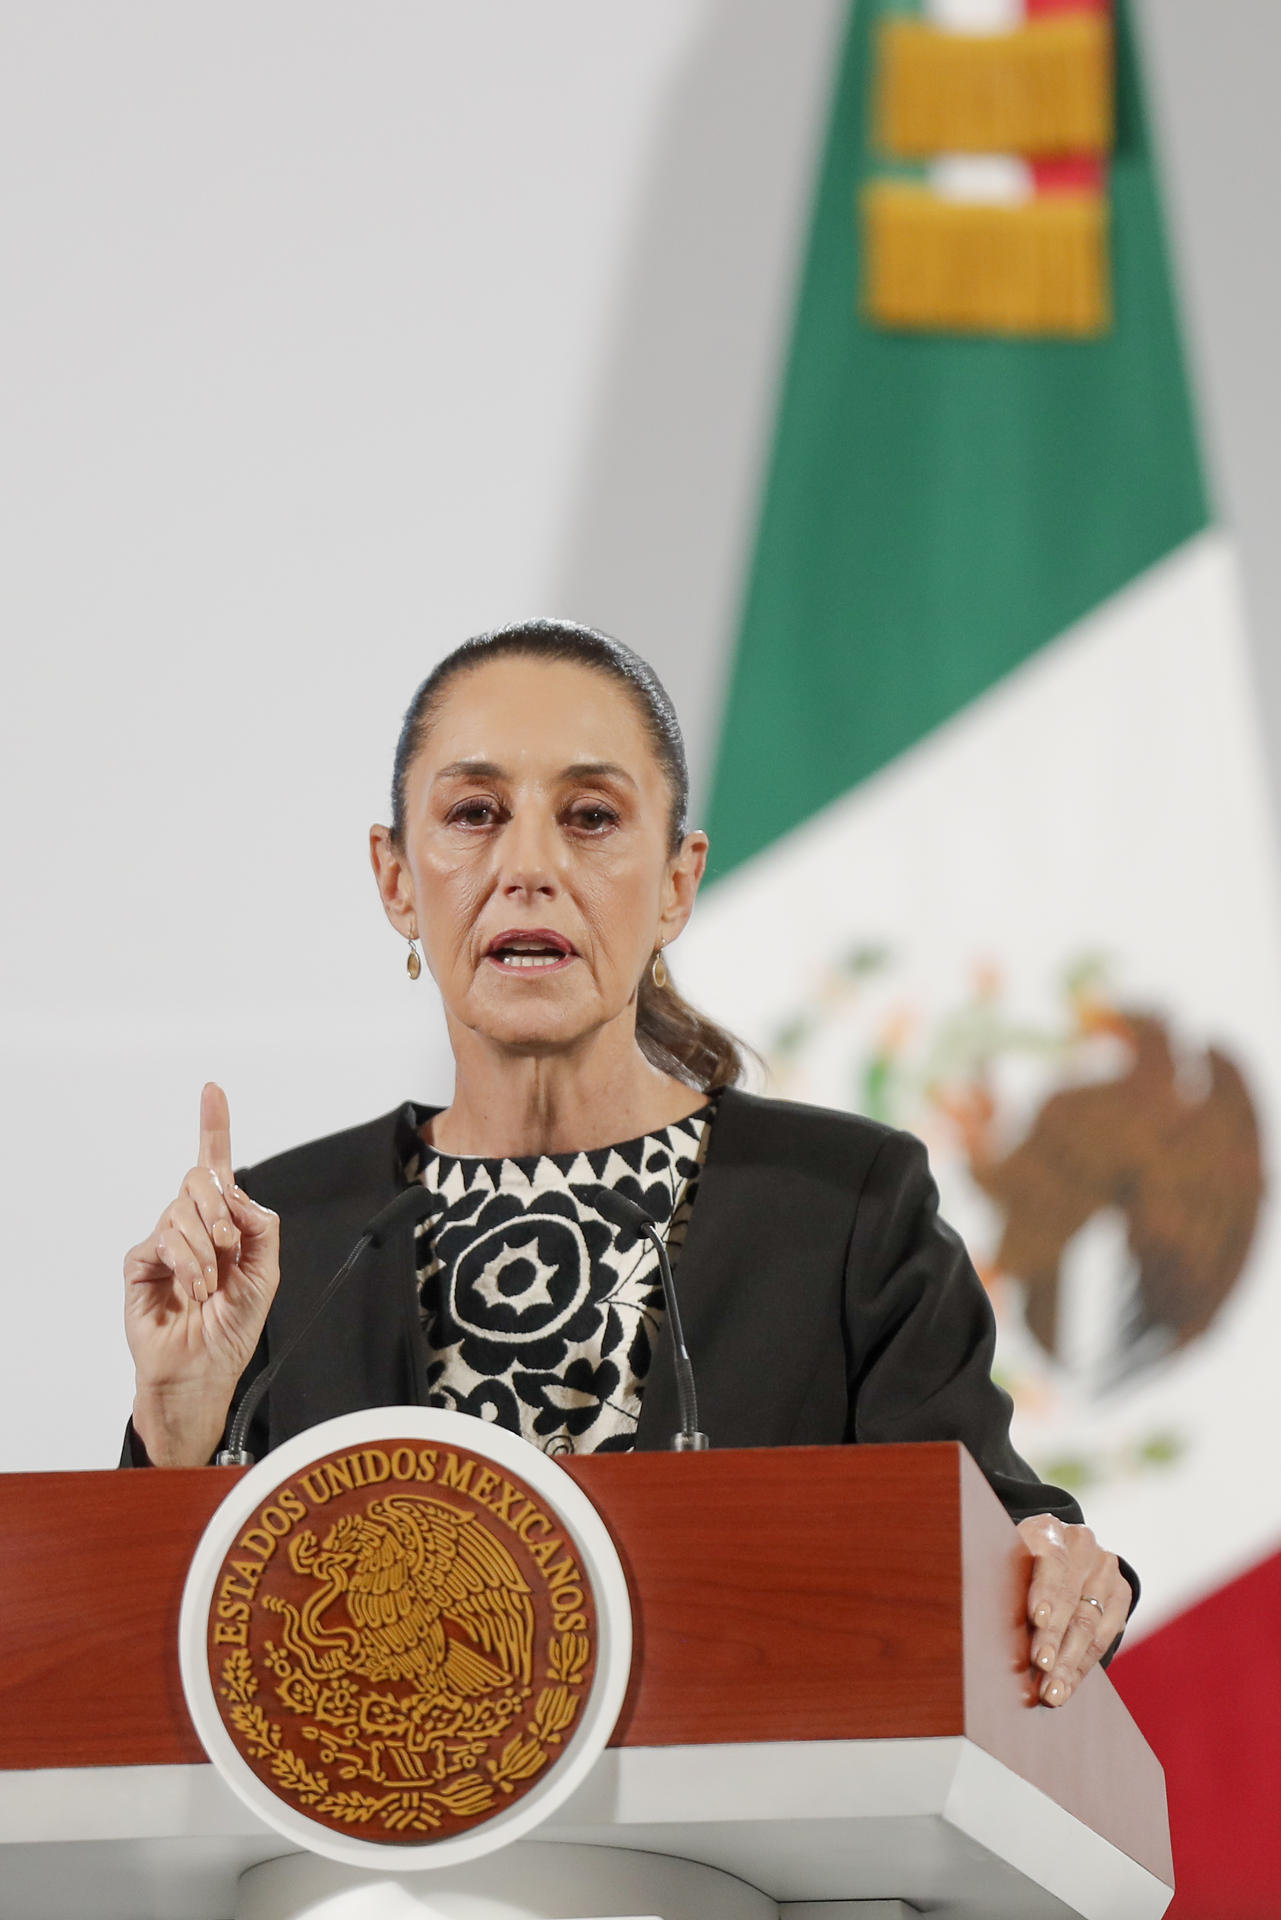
[(395, 888), (684, 876)]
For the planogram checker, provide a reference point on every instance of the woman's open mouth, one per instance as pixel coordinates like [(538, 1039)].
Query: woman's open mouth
[(535, 952)]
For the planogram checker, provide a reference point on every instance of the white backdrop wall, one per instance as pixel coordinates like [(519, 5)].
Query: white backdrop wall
[(332, 333)]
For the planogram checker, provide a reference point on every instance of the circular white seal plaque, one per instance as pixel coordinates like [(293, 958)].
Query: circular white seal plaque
[(405, 1638)]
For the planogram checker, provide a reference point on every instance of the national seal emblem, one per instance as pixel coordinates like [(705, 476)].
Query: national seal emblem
[(401, 1635)]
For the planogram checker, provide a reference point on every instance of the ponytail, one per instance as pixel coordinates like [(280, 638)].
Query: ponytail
[(677, 1039)]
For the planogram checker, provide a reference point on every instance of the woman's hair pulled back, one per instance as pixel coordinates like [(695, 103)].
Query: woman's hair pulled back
[(671, 1034)]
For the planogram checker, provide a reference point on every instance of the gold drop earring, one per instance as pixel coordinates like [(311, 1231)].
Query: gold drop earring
[(658, 971), (414, 964)]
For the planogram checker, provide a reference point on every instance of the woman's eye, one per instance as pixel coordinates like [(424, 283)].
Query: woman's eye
[(594, 819), (473, 813)]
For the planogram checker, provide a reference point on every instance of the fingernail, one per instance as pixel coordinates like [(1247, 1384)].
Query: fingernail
[(1044, 1656), (1053, 1693), (213, 1175), (210, 1269), (1042, 1614), (199, 1290)]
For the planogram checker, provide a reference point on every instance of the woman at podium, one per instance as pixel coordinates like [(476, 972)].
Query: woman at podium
[(538, 864)]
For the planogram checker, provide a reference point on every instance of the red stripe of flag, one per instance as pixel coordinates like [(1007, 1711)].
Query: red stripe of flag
[(1077, 173), (1206, 1690), (1038, 9)]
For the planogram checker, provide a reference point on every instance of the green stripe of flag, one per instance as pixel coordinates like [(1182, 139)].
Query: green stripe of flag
[(937, 508)]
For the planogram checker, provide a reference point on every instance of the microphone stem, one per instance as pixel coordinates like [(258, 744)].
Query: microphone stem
[(235, 1453), (410, 1201), (691, 1438)]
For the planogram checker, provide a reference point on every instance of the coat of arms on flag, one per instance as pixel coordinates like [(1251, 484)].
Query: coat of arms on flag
[(1105, 1167)]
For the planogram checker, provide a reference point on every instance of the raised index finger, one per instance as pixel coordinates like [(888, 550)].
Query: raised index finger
[(215, 1133)]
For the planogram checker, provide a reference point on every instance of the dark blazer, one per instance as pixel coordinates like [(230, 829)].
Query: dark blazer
[(823, 1298)]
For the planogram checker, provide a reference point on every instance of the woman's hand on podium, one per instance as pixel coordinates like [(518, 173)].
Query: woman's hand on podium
[(1077, 1603), (197, 1291)]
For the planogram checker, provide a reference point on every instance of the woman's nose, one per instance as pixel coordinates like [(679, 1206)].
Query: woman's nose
[(527, 853)]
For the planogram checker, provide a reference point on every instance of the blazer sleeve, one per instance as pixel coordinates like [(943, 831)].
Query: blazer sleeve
[(922, 1335)]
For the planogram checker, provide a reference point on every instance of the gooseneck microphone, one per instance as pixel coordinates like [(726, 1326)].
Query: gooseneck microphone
[(414, 1202), (621, 1212)]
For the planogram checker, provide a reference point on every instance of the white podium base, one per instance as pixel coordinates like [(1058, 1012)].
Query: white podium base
[(529, 1881), (825, 1831)]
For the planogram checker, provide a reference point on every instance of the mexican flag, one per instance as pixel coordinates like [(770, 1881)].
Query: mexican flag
[(991, 857)]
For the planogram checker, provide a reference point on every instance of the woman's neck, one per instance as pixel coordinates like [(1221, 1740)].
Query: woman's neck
[(517, 1107)]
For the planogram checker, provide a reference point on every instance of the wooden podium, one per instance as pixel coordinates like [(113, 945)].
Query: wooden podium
[(830, 1712)]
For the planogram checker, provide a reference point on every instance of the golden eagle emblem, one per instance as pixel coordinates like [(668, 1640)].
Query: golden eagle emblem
[(417, 1663), (416, 1591)]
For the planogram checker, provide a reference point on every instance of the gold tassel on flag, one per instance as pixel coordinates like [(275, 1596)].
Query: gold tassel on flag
[(1040, 90), (1039, 268)]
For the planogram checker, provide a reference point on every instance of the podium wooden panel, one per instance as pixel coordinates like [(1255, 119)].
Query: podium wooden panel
[(801, 1596)]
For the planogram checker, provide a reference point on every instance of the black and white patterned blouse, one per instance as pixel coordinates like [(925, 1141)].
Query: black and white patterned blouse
[(534, 1314)]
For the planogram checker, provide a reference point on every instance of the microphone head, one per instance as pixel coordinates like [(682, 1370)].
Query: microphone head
[(413, 1203), (617, 1209)]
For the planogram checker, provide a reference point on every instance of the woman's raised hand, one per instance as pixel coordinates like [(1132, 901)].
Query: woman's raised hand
[(197, 1291)]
